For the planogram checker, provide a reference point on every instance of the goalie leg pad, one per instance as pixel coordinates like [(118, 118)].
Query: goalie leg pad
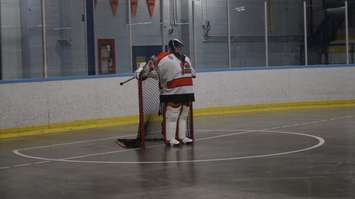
[(172, 115), (183, 124)]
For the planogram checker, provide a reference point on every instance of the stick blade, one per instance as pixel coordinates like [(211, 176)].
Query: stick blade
[(129, 143)]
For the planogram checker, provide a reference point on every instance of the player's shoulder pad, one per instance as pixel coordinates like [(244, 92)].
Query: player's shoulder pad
[(162, 55)]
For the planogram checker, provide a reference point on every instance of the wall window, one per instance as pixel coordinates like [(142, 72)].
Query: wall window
[(21, 39), (23, 24), (211, 34), (285, 32), (247, 43), (326, 32), (57, 38), (66, 38), (351, 7)]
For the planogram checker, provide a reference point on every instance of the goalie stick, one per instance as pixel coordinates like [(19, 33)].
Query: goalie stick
[(128, 80)]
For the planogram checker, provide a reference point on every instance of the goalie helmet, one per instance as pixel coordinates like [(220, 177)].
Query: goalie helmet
[(175, 43)]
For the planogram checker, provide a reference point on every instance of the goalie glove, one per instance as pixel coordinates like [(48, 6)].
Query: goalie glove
[(145, 71), (138, 72)]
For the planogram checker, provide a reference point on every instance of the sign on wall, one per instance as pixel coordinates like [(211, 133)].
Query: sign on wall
[(106, 56)]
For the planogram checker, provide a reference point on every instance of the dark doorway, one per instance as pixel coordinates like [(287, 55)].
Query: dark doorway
[(0, 48), (142, 53)]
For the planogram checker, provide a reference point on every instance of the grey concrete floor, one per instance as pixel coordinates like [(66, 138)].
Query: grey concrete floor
[(269, 155)]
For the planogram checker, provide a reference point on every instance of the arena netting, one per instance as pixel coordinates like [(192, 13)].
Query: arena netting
[(150, 120)]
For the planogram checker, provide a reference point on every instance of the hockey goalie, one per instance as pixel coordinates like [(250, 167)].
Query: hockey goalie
[(175, 75)]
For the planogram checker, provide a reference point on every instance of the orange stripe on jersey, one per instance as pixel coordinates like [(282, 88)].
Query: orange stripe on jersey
[(161, 55), (185, 81)]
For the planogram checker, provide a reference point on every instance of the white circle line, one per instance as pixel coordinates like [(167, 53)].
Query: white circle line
[(321, 141), (112, 137), (16, 151)]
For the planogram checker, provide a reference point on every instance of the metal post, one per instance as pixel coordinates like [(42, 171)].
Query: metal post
[(44, 39), (162, 25), (130, 34), (229, 35), (352, 54), (266, 34), (194, 52), (174, 12), (90, 37), (305, 33), (347, 31), (0, 47)]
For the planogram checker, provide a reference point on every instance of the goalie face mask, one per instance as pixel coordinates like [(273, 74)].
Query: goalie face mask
[(175, 43)]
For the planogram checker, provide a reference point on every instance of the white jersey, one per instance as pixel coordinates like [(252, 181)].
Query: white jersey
[(175, 77)]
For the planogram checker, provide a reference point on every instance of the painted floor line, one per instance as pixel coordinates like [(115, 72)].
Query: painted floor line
[(16, 151), (320, 140)]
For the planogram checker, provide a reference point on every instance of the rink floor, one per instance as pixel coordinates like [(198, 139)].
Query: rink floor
[(306, 153)]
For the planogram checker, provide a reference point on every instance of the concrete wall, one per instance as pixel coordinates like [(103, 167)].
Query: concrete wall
[(274, 86), (26, 104)]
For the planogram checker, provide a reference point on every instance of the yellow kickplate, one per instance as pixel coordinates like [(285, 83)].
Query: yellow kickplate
[(120, 121), (67, 126), (273, 107)]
